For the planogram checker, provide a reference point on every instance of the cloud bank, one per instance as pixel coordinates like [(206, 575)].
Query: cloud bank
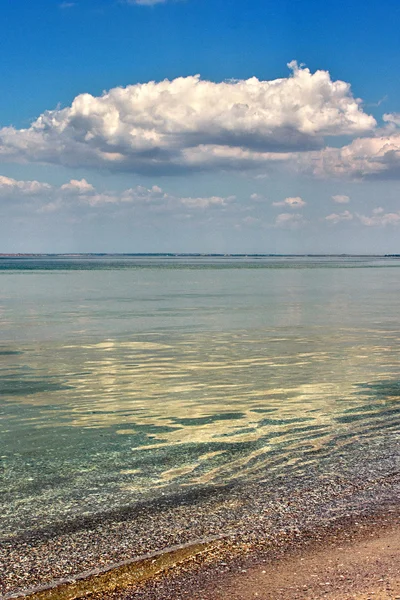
[(43, 197), (190, 124)]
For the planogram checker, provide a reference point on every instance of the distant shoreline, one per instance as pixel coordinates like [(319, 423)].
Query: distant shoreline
[(187, 254)]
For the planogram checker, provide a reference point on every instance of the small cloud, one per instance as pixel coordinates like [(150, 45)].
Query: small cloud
[(257, 198), (392, 118), (251, 221), (78, 187), (335, 218), (341, 199), (212, 201), (380, 219), (9, 186), (381, 101), (295, 202), (67, 5), (289, 221)]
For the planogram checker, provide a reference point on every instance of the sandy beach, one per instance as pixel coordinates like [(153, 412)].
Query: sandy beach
[(357, 560), (365, 568)]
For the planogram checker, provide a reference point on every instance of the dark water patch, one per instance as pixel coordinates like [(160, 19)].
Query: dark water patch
[(15, 385), (283, 421), (380, 389), (381, 427), (243, 431), (372, 416), (308, 429), (10, 352), (366, 408), (132, 428), (181, 454), (193, 421), (37, 485)]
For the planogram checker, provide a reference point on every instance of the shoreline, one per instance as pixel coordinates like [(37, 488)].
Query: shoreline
[(269, 516), (357, 556)]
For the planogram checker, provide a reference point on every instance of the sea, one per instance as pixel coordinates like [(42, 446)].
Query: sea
[(124, 379)]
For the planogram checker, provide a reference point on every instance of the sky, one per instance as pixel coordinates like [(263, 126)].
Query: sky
[(200, 126)]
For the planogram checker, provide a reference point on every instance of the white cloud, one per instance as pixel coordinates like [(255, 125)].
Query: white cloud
[(190, 124), (256, 197), (11, 187), (341, 199), (392, 118), (78, 187), (295, 202), (335, 218), (290, 221), (377, 156)]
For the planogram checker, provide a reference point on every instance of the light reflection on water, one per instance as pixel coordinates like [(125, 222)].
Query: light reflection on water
[(119, 385)]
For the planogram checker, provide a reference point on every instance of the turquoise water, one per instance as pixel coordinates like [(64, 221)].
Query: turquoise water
[(126, 378)]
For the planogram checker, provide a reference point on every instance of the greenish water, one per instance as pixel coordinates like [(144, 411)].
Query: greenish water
[(126, 378)]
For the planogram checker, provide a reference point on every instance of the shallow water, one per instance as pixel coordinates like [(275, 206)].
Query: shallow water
[(126, 378)]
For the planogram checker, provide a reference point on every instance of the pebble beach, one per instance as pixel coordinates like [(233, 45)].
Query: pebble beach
[(238, 526)]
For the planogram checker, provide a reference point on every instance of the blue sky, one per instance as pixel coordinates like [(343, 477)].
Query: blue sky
[(290, 161)]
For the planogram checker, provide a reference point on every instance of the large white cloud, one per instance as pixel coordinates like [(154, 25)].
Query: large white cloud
[(191, 124)]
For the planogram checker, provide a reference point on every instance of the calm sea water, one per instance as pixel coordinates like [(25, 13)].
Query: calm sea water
[(123, 379)]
